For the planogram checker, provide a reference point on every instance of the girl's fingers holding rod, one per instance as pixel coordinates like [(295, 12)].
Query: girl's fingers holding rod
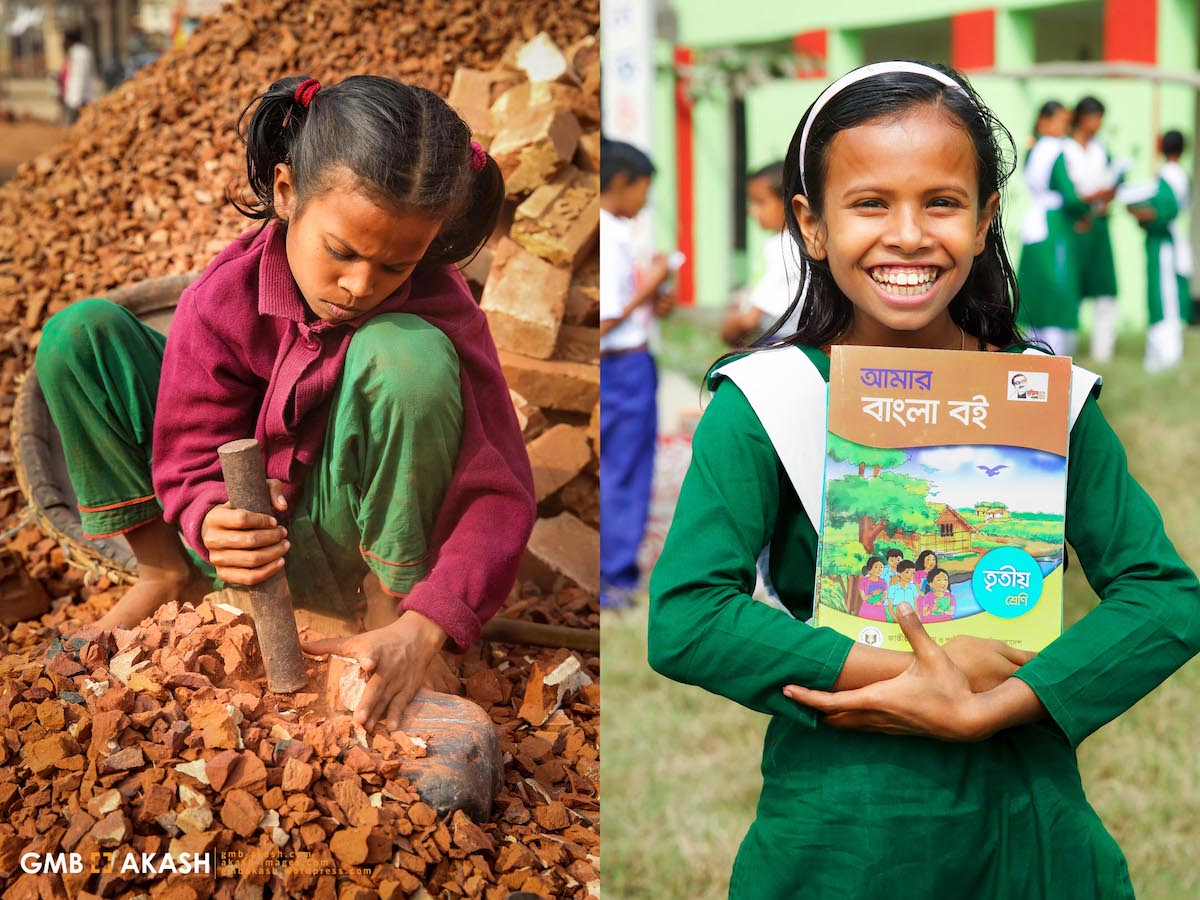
[(249, 559), (232, 539), (239, 519), (249, 577)]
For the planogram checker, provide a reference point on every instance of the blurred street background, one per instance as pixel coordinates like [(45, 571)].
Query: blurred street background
[(121, 35), (713, 91)]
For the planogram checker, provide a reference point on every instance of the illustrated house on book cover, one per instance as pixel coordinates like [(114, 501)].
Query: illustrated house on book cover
[(945, 485)]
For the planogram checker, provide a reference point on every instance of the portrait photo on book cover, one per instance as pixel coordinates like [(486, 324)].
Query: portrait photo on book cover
[(1028, 386)]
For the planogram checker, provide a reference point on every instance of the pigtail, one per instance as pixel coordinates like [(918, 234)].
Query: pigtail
[(269, 137), (461, 239)]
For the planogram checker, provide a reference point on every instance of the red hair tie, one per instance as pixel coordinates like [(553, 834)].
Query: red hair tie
[(478, 156), (307, 90)]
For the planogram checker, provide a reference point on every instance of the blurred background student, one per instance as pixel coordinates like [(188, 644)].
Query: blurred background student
[(1169, 261), (755, 311), (79, 75), (1092, 172), (628, 375)]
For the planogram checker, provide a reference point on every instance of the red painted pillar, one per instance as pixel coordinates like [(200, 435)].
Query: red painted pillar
[(973, 40), (1131, 31), (685, 284), (812, 44)]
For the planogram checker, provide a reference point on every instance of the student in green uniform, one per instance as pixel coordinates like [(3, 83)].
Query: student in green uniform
[(1168, 257), (1091, 170), (1049, 271), (894, 176)]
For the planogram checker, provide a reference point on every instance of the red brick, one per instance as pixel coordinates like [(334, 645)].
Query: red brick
[(533, 146), (550, 383), (563, 547), (557, 456), (524, 299), (560, 220)]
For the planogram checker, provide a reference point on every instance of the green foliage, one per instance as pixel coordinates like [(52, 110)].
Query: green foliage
[(898, 498), (991, 504), (832, 595), (844, 559), (848, 451)]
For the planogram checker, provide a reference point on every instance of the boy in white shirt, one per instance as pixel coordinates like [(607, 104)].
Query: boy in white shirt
[(628, 375)]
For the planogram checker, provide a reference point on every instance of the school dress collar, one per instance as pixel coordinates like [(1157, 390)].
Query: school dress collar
[(279, 296)]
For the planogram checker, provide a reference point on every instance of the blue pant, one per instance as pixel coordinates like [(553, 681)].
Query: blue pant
[(628, 430)]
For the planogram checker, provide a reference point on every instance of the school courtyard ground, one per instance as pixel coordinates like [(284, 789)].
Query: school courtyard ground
[(688, 760)]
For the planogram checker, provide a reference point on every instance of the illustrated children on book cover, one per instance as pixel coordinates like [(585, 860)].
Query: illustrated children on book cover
[(945, 486)]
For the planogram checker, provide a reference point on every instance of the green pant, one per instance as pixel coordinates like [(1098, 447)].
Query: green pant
[(369, 501)]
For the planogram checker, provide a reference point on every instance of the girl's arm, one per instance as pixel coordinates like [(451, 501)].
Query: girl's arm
[(705, 628), (206, 397), (1147, 624)]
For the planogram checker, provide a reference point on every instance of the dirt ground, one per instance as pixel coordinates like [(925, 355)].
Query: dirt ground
[(21, 141)]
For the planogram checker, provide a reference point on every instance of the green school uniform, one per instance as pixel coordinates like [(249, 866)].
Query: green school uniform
[(1090, 168), (1167, 292), (1048, 273), (369, 502), (854, 813)]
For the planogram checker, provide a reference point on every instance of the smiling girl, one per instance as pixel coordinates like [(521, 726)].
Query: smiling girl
[(894, 178), (342, 337)]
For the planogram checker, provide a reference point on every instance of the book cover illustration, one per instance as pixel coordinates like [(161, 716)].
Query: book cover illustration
[(945, 485)]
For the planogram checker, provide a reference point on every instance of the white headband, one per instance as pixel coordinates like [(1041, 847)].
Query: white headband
[(860, 74)]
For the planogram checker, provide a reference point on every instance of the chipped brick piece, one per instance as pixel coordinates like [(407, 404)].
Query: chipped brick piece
[(578, 343), (557, 456), (560, 221), (345, 683), (123, 761), (45, 754), (563, 547), (241, 812), (297, 776), (350, 845), (533, 146), (550, 383), (524, 300)]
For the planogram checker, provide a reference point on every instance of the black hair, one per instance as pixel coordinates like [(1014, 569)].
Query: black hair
[(893, 552), (987, 303), (1047, 109), (870, 562), (1016, 375), (1173, 143), (921, 558), (772, 174), (1088, 106), (72, 36), (934, 573), (620, 158), (905, 565), (403, 145)]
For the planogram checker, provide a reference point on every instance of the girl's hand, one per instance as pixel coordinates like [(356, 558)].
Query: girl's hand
[(931, 698), (986, 663), (395, 658), (246, 548)]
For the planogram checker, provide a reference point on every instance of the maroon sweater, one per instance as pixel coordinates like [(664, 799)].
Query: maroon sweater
[(244, 357)]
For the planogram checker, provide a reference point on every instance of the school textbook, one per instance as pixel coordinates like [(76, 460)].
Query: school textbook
[(945, 485)]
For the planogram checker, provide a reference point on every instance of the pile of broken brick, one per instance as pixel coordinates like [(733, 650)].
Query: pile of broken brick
[(164, 736)]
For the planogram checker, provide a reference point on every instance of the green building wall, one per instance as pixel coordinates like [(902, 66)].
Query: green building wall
[(1137, 110)]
